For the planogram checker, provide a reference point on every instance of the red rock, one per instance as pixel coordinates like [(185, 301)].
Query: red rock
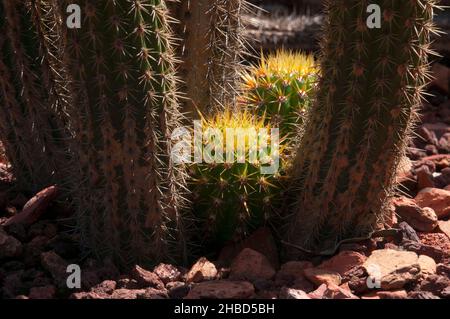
[(47, 292), (421, 219), (105, 287), (392, 269), (261, 241), (437, 199), (444, 227), (289, 293), (421, 295), (202, 270), (395, 294), (424, 177), (435, 284), (322, 276), (335, 292), (127, 294), (9, 246), (152, 293), (222, 289), (35, 207), (319, 292), (56, 266), (427, 265), (167, 273), (343, 262), (146, 278), (251, 265), (292, 270), (88, 295)]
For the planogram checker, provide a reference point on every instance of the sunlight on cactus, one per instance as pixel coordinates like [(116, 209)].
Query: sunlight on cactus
[(281, 88), (233, 198)]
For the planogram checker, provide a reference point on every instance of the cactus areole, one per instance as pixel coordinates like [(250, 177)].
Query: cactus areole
[(370, 88)]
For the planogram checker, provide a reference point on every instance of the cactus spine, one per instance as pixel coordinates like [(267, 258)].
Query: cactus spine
[(33, 93), (211, 49), (126, 107), (370, 88), (233, 197), (281, 89)]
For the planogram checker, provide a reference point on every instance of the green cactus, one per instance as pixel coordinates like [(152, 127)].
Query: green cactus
[(281, 89), (211, 46), (33, 94), (370, 89), (233, 197), (125, 109)]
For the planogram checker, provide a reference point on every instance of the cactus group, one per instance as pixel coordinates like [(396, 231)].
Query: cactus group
[(126, 106), (211, 47), (33, 95), (232, 198), (370, 88), (281, 89)]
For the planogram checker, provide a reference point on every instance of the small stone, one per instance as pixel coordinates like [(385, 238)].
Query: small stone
[(251, 265), (343, 262), (336, 292), (9, 246), (47, 292), (427, 265), (422, 295), (437, 199), (424, 177), (319, 292), (152, 293), (408, 233), (421, 219), (126, 293), (222, 289), (202, 270), (146, 278), (88, 295), (35, 207), (392, 268), (443, 269), (322, 276), (289, 293), (167, 273), (444, 227), (435, 284), (105, 287), (395, 294)]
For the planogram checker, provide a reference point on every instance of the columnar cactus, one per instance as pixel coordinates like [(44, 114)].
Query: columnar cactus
[(125, 109), (370, 88), (33, 93), (233, 197), (281, 88), (211, 46)]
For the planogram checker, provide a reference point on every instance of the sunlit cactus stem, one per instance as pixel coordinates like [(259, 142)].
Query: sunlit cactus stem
[(371, 86), (125, 109)]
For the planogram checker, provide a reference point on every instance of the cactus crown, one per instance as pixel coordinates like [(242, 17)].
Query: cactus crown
[(280, 88)]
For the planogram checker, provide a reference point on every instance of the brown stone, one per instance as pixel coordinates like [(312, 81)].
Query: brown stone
[(251, 265), (322, 276), (290, 293), (146, 278), (421, 219), (35, 207), (437, 199), (167, 273), (292, 270), (222, 289), (343, 262), (202, 270), (444, 227)]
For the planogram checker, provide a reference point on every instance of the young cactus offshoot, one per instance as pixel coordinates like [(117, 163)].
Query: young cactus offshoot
[(281, 89), (233, 197)]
